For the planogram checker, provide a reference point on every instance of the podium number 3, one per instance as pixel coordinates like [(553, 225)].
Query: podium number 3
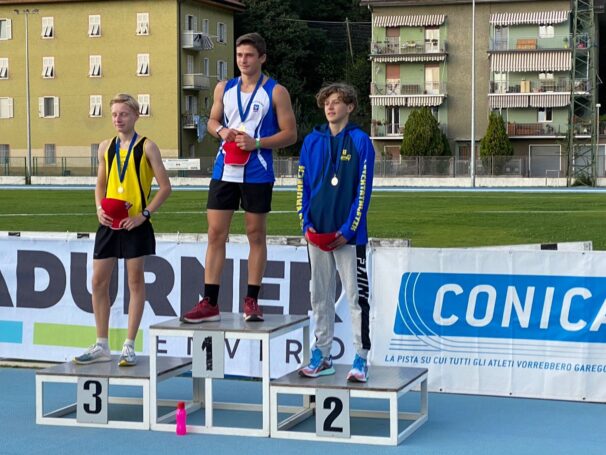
[(337, 407), (96, 394)]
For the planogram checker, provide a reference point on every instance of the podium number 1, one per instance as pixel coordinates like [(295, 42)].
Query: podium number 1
[(208, 354), (91, 404), (332, 413)]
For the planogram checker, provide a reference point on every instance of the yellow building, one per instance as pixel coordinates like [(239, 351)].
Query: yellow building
[(169, 54)]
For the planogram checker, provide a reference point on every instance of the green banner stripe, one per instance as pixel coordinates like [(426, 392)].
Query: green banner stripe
[(79, 336)]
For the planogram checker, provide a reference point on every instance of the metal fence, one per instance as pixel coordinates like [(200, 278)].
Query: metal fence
[(536, 165)]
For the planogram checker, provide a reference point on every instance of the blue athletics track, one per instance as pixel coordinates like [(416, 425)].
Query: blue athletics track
[(457, 425)]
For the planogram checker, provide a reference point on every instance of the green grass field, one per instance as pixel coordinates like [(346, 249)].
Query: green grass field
[(429, 219)]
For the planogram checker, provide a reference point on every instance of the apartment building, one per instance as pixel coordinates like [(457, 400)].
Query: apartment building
[(169, 54), (421, 55)]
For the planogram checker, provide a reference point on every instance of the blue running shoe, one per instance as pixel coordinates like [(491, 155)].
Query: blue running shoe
[(318, 365), (359, 371)]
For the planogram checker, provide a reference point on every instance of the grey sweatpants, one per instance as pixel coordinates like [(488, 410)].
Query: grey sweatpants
[(350, 262)]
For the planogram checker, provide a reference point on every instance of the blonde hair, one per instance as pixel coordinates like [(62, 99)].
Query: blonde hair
[(346, 92), (125, 98)]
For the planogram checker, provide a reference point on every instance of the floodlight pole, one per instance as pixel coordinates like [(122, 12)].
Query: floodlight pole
[(473, 94)]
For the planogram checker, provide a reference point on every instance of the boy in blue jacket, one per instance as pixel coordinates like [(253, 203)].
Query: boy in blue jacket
[(333, 194)]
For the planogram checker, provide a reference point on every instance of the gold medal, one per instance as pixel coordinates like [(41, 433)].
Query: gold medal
[(120, 190), (334, 181)]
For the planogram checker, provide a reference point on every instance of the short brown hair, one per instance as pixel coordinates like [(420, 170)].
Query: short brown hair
[(125, 98), (255, 40), (347, 93)]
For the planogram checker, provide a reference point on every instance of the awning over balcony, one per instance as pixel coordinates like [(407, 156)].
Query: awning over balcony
[(388, 101), (505, 101), (427, 20), (531, 61), (409, 58), (414, 101), (537, 17), (549, 100)]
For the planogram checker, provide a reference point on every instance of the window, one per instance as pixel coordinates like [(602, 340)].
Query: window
[(94, 66), (191, 23), (94, 153), (142, 64), (48, 106), (5, 29), (142, 23), (501, 38), (432, 79), (48, 27), (545, 115), (546, 31), (96, 102), (191, 105), (206, 66), (48, 67), (144, 105), (221, 32), (190, 64), (205, 26), (5, 151), (432, 39), (50, 156), (94, 25), (500, 82), (6, 108), (392, 114), (221, 70), (3, 68)]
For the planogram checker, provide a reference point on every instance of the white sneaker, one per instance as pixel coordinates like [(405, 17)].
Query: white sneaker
[(96, 353), (128, 357)]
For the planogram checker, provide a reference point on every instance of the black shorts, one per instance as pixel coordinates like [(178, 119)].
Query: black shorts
[(252, 197), (123, 244)]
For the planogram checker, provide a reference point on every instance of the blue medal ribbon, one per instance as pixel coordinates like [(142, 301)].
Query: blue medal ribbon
[(244, 114), (122, 170)]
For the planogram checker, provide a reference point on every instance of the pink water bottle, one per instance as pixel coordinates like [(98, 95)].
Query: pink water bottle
[(181, 419)]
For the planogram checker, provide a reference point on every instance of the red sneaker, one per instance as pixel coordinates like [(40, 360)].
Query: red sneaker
[(202, 312), (252, 312)]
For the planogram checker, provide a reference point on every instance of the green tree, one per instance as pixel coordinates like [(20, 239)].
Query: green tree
[(422, 135), (495, 146)]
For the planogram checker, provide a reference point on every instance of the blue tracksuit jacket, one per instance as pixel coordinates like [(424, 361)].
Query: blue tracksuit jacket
[(342, 207)]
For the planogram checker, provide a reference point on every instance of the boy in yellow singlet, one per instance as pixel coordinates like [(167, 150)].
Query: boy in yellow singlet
[(127, 165)]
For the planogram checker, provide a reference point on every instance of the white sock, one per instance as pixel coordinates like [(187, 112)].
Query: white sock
[(129, 342), (104, 343)]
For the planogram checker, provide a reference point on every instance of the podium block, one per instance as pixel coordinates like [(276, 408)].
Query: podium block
[(207, 337), (328, 398), (94, 402)]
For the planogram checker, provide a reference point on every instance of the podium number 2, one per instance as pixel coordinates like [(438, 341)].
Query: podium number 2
[(332, 413), (337, 407), (92, 399)]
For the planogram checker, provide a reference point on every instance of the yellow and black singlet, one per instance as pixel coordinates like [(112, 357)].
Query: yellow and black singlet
[(137, 179)]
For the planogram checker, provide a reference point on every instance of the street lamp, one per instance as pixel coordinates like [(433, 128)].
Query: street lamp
[(473, 94), (596, 159), (26, 12)]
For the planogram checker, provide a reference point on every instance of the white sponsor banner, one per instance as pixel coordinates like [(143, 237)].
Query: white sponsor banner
[(46, 310), (511, 323)]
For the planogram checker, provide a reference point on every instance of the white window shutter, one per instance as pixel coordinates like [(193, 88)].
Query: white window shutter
[(10, 108), (9, 33), (41, 106), (56, 105)]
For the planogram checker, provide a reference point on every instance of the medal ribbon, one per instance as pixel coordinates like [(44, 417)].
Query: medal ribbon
[(337, 162), (122, 170), (244, 113)]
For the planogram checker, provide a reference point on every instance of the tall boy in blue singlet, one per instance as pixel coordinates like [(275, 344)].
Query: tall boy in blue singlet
[(127, 165), (251, 115), (333, 194)]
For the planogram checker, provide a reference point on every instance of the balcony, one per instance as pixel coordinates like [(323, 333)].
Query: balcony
[(189, 120), (196, 41), (408, 51), (192, 81), (515, 129), (387, 130), (535, 43), (405, 88), (563, 85)]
